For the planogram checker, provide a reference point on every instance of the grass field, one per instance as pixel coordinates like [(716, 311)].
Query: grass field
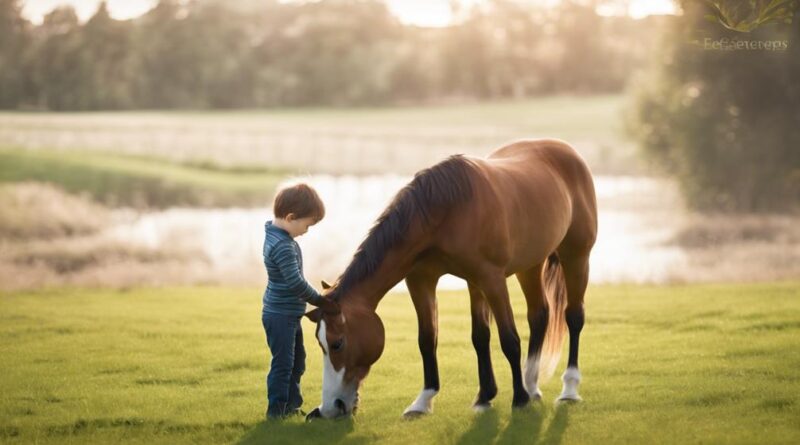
[(236, 158), (683, 364), (140, 181), (336, 140)]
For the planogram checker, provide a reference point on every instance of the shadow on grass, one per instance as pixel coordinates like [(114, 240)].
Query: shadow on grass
[(558, 424), (299, 432), (525, 426), (483, 430)]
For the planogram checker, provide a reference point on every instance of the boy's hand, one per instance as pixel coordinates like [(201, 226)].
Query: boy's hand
[(316, 301), (326, 305)]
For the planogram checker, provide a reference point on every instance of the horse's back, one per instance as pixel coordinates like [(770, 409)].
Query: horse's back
[(531, 154), (557, 175)]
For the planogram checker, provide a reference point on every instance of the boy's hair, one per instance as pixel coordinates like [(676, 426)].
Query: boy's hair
[(301, 200)]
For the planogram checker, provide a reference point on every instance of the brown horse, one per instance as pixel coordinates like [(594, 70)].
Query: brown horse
[(529, 209)]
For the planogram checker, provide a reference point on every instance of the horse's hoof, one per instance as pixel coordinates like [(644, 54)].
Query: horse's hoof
[(569, 398), (481, 407), (316, 414), (521, 401), (410, 415)]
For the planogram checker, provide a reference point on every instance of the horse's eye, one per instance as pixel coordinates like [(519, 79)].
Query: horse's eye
[(337, 345)]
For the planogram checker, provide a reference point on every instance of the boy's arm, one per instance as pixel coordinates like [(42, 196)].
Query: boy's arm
[(285, 258)]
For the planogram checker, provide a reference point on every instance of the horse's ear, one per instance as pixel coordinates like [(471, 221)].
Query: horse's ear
[(314, 315), (325, 285)]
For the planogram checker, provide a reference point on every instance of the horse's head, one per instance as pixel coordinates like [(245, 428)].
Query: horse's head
[(351, 339)]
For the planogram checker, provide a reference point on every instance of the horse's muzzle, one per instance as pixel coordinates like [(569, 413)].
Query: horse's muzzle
[(340, 406), (315, 414)]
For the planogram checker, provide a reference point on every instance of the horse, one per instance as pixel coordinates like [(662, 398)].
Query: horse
[(528, 209)]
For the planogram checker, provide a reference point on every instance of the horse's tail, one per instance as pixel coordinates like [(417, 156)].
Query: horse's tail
[(555, 289)]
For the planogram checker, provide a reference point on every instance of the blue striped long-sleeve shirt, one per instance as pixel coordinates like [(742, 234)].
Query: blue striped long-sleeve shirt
[(287, 290)]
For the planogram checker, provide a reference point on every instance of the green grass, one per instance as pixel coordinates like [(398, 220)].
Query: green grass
[(598, 116), (139, 181), (682, 364)]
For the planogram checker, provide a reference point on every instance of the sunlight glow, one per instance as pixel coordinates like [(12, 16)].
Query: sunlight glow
[(643, 8), (433, 13), (438, 13)]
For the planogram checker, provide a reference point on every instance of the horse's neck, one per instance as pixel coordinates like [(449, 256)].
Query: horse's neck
[(393, 267)]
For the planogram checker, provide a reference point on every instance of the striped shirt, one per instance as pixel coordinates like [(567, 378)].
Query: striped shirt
[(287, 290)]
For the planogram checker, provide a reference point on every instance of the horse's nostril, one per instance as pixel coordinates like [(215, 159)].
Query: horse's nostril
[(339, 404), (313, 415)]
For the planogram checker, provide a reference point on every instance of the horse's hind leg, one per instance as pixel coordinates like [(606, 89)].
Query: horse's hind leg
[(481, 317), (532, 286), (493, 285), (576, 275)]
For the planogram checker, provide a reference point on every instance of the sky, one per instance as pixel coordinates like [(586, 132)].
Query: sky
[(416, 12)]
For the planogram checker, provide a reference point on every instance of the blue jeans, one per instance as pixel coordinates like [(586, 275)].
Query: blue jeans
[(285, 341)]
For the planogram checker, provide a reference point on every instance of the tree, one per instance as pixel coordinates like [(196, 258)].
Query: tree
[(106, 52), (60, 76), (14, 44), (222, 47), (335, 52), (720, 111), (466, 55), (167, 58)]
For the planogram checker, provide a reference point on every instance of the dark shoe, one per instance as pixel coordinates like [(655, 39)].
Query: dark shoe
[(275, 414), (285, 414)]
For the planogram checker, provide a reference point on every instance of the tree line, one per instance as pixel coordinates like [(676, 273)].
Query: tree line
[(250, 54)]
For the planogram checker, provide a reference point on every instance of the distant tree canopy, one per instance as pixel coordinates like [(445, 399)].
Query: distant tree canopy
[(222, 54), (14, 42), (721, 111)]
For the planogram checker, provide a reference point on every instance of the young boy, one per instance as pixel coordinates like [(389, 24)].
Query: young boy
[(296, 209)]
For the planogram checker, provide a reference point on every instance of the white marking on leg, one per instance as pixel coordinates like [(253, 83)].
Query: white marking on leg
[(423, 403), (481, 408), (571, 379), (532, 377), (332, 380)]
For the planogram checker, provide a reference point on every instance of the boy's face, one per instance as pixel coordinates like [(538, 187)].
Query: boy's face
[(298, 226)]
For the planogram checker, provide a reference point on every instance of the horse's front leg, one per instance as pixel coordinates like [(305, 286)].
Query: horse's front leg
[(422, 288), (481, 317)]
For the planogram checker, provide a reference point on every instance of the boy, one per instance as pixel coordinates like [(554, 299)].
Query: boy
[(296, 209)]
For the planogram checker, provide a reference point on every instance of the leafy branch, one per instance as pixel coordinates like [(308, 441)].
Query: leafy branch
[(747, 15)]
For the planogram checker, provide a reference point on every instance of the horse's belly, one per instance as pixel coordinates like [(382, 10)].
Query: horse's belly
[(537, 226), (526, 256)]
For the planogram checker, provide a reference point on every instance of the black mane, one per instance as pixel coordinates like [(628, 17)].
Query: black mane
[(432, 192)]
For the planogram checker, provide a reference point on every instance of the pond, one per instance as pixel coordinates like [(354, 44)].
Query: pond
[(639, 216)]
